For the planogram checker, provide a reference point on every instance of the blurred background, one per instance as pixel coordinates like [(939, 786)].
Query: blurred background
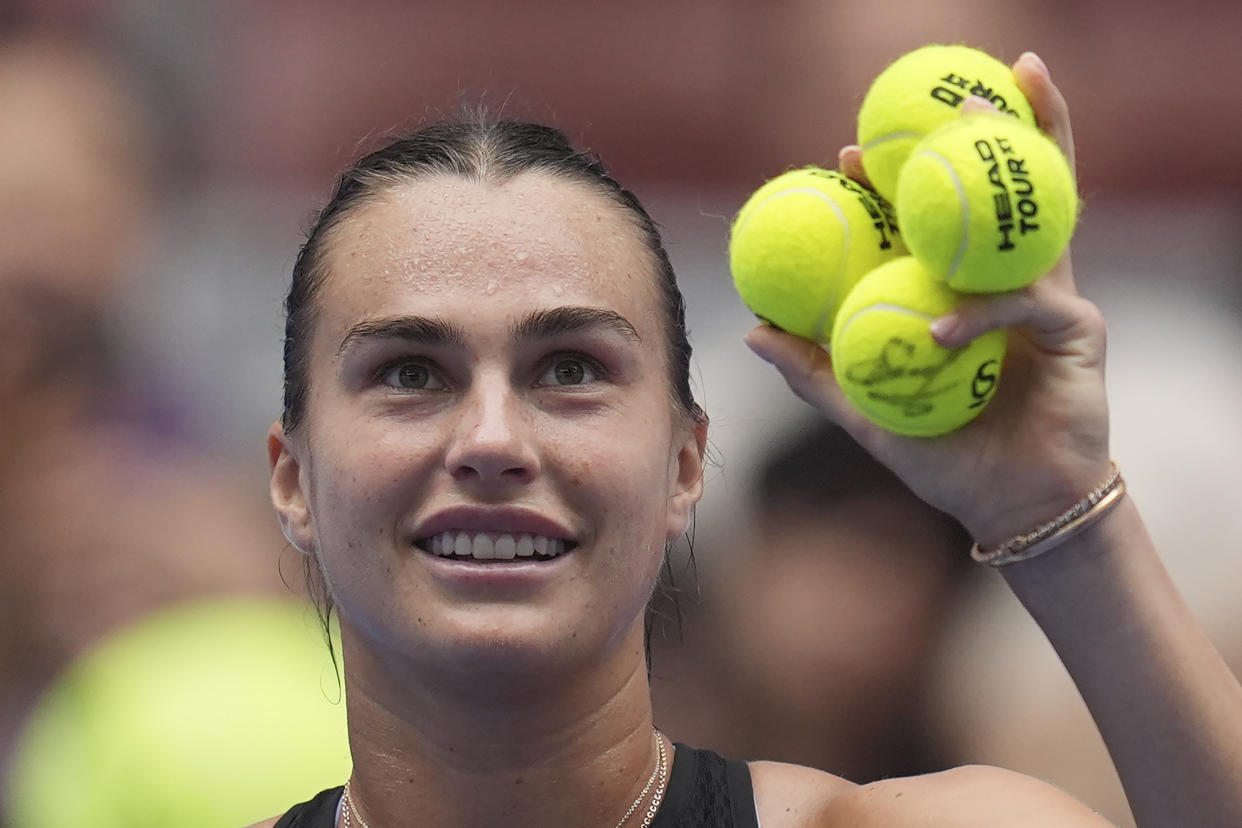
[(159, 160)]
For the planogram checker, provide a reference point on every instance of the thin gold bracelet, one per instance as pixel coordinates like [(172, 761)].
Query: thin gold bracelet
[(1099, 502)]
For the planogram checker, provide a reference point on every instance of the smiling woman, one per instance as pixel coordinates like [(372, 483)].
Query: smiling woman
[(489, 438)]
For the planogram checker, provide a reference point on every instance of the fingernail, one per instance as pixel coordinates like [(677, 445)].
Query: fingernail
[(757, 349), (977, 104), (944, 327), (1038, 62)]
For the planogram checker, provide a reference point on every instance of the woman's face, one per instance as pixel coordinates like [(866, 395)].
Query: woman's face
[(491, 461)]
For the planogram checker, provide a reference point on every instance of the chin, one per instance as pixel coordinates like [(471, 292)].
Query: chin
[(507, 648)]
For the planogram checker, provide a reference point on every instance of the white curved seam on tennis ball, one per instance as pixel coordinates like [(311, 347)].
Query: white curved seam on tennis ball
[(885, 306), (965, 205), (781, 194), (828, 310), (891, 136)]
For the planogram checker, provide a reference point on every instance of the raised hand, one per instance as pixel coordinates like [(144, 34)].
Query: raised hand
[(1043, 441)]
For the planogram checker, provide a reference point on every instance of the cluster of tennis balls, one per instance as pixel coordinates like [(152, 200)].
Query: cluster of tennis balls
[(985, 203)]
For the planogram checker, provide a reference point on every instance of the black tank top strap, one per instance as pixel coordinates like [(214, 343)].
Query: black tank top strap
[(705, 790), (320, 812)]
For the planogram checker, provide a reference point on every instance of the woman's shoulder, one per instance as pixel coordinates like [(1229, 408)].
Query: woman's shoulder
[(974, 796), (794, 795)]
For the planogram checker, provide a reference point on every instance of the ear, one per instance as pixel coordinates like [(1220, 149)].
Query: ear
[(288, 492), (688, 481)]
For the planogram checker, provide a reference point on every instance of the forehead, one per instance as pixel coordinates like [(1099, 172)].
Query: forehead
[(444, 244)]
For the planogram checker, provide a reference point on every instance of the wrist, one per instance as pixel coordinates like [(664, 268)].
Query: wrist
[(1049, 534), (1033, 499)]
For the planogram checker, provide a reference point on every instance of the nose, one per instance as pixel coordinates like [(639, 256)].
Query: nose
[(494, 440)]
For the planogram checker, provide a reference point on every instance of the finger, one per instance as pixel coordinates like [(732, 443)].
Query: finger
[(1051, 110), (1055, 320), (1062, 274), (976, 104), (849, 162), (807, 368), (1052, 115)]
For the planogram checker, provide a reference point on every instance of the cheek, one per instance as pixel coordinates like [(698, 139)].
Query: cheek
[(629, 476), (627, 448), (357, 480)]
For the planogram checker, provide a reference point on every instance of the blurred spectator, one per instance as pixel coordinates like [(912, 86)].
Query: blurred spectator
[(815, 646), (108, 511), (75, 183)]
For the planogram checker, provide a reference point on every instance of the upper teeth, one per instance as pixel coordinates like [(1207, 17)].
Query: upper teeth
[(482, 546)]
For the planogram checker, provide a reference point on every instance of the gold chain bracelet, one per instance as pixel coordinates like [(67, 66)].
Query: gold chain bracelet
[(1064, 526)]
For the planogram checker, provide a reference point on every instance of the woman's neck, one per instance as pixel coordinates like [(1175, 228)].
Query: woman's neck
[(568, 749)]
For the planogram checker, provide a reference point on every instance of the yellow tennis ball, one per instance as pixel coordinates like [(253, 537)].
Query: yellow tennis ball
[(922, 91), (214, 713), (891, 369), (987, 203), (802, 241)]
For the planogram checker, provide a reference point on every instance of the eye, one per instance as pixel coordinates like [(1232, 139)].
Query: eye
[(570, 369), (410, 376)]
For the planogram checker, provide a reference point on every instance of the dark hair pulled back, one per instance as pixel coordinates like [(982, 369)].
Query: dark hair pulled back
[(484, 149)]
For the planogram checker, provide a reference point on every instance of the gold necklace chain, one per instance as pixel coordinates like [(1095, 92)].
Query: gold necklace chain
[(659, 772), (351, 811)]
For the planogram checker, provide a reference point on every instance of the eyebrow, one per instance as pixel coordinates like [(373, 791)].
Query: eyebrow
[(542, 324), (418, 329), (552, 322)]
